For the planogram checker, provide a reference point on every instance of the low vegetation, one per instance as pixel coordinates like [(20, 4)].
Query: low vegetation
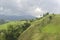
[(44, 28), (12, 30)]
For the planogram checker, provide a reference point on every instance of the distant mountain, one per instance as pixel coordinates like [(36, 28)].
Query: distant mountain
[(14, 17)]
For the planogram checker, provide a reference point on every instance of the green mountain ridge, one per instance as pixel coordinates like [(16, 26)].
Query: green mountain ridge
[(43, 29)]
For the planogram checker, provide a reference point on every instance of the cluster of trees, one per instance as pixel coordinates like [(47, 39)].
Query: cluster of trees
[(12, 33)]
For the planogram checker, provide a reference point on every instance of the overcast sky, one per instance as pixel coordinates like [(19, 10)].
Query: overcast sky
[(29, 7)]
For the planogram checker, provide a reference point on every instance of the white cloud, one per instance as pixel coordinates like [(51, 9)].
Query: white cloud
[(1, 8), (57, 1), (38, 10), (18, 1)]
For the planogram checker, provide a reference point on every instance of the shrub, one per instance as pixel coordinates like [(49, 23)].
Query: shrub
[(50, 17), (45, 14)]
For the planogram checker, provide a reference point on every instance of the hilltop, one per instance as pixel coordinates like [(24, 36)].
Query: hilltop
[(43, 29)]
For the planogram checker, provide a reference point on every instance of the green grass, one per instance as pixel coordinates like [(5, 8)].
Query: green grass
[(54, 26), (51, 28), (14, 23), (50, 31)]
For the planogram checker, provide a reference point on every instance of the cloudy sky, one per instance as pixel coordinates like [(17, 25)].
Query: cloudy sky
[(29, 7)]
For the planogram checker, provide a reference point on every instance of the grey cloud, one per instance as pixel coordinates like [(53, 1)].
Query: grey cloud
[(27, 7), (50, 5)]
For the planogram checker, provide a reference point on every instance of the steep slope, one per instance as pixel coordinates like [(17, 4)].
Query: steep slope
[(44, 29), (54, 26)]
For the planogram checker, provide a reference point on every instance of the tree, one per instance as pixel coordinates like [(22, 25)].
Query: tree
[(10, 33), (50, 17), (45, 14), (26, 25)]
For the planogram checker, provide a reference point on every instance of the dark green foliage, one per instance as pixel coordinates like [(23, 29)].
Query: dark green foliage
[(37, 18), (10, 33), (32, 20), (26, 25), (45, 14), (50, 17), (13, 32)]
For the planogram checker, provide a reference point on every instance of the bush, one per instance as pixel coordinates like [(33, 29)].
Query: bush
[(45, 14), (50, 17), (26, 25)]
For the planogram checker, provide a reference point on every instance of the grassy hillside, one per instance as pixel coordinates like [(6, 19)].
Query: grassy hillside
[(54, 26), (43, 29), (14, 23), (12, 29)]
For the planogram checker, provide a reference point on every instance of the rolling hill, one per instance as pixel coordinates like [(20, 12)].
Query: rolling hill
[(12, 29), (14, 23), (43, 29)]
